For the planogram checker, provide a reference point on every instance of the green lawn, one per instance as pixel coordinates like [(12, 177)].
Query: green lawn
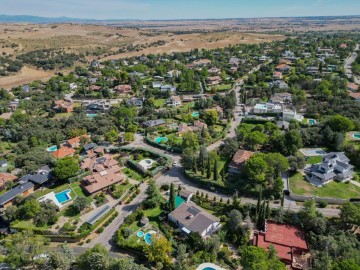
[(224, 87), (159, 102), (300, 186), (132, 174), (62, 115), (313, 160), (27, 224), (121, 189)]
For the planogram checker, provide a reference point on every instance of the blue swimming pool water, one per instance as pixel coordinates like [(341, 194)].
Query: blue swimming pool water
[(52, 148), (195, 114), (161, 140), (312, 122), (208, 268), (63, 196), (140, 234), (148, 238), (91, 115), (356, 135)]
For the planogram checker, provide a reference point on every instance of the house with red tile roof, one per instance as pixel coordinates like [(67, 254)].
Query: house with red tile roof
[(238, 161), (215, 80), (63, 106), (75, 142), (105, 172), (283, 68), (289, 242), (5, 177), (63, 151), (355, 96), (353, 87), (123, 89)]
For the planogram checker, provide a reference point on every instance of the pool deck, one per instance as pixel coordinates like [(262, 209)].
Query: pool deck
[(351, 135), (51, 196), (211, 265)]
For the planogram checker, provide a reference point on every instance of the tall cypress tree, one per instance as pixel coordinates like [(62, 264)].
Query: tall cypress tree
[(216, 170), (208, 173), (172, 204), (223, 175), (268, 210)]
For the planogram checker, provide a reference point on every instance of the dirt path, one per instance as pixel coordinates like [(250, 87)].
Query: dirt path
[(26, 75)]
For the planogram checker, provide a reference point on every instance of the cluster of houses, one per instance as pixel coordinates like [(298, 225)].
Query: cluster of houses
[(279, 104)]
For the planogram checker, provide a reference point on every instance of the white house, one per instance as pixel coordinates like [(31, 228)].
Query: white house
[(268, 108), (3, 163), (174, 101), (191, 218), (334, 166), (73, 86), (289, 115)]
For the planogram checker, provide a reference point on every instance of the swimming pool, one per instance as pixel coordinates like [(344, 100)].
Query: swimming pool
[(208, 268), (91, 115), (312, 122), (52, 149), (148, 238), (195, 114), (140, 234), (63, 196), (356, 135), (161, 140)]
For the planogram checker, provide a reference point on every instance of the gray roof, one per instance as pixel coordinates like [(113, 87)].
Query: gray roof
[(154, 123), (90, 146), (336, 155), (193, 217), (2, 162), (38, 178), (16, 191)]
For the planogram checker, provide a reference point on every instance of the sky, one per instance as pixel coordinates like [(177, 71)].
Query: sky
[(178, 9)]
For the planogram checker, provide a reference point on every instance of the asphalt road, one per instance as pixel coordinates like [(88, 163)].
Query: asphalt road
[(348, 63)]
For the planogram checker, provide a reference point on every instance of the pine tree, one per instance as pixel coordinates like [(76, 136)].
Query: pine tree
[(216, 171), (223, 175), (221, 200), (228, 201), (172, 205), (208, 173), (206, 196), (258, 205)]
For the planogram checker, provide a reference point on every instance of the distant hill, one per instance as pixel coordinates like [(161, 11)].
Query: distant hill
[(45, 20), (36, 19)]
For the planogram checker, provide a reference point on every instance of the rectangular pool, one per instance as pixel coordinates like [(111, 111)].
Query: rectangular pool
[(63, 196)]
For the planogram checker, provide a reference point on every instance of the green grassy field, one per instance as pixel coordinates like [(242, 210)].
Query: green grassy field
[(300, 186), (159, 102), (132, 174), (313, 160)]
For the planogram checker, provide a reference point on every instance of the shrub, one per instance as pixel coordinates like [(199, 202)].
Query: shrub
[(323, 204), (100, 230), (88, 240)]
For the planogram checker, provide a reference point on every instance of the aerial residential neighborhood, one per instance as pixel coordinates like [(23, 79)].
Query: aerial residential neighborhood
[(237, 152)]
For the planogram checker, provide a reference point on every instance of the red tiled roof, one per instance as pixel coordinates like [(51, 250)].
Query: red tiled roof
[(282, 66), (74, 142), (4, 177), (353, 86), (64, 152), (354, 95), (240, 157)]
